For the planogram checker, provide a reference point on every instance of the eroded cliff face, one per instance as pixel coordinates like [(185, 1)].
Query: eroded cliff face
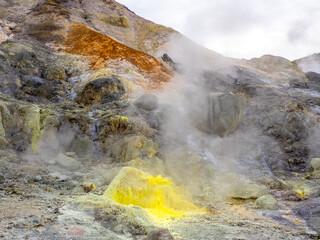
[(134, 144)]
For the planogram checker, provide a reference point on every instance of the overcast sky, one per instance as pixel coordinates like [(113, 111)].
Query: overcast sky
[(240, 28)]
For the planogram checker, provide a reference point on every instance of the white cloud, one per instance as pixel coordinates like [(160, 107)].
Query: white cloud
[(241, 28)]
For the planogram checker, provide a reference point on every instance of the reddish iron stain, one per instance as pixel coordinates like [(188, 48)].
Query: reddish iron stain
[(98, 47)]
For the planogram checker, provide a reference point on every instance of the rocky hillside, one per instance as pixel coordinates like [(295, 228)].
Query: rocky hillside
[(114, 127)]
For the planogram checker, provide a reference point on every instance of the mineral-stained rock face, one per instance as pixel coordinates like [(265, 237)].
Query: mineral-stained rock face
[(100, 48)]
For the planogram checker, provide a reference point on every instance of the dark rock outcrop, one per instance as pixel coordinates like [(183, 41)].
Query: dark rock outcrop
[(101, 90)]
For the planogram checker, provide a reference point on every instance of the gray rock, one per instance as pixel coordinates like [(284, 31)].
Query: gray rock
[(67, 162), (266, 202), (224, 113), (315, 163), (159, 234), (219, 113), (247, 191), (147, 102)]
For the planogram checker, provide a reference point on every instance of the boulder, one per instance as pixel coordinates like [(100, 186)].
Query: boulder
[(147, 102), (159, 234), (68, 163), (247, 191), (219, 113), (100, 90), (266, 202), (224, 113), (133, 147)]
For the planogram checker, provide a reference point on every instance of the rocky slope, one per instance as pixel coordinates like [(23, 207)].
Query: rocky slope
[(114, 127)]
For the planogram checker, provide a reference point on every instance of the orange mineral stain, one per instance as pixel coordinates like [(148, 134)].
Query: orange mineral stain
[(100, 48)]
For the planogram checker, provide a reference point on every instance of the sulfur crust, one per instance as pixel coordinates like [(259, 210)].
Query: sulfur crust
[(156, 194)]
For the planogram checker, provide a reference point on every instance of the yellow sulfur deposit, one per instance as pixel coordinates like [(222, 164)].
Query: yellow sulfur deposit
[(156, 194), (300, 193)]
